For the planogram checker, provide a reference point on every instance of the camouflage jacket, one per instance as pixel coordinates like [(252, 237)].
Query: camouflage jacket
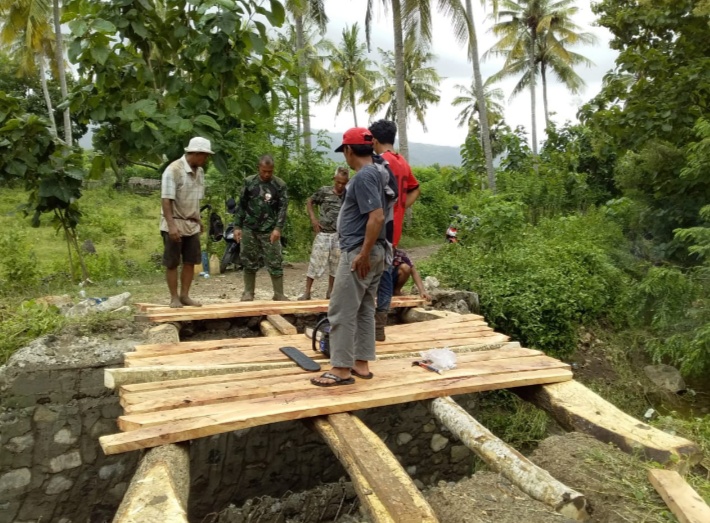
[(262, 205)]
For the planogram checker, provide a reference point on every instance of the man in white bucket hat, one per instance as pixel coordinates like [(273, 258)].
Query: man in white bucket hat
[(182, 188)]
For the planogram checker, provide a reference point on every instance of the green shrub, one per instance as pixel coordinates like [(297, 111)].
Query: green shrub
[(18, 264), (539, 284), (20, 325)]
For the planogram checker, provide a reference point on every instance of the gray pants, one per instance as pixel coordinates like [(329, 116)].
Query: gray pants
[(352, 310)]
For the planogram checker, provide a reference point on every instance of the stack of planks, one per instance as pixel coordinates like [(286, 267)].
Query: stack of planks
[(161, 412)]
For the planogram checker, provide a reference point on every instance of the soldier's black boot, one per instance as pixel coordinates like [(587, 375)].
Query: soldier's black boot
[(249, 284), (278, 283), (380, 323)]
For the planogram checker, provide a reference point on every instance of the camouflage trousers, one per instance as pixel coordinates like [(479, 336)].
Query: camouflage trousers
[(257, 247)]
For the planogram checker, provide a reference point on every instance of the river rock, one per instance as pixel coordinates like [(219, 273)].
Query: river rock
[(665, 377)]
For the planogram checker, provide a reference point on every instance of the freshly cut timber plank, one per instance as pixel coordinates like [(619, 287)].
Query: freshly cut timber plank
[(575, 407), (436, 325), (200, 391), (282, 325), (528, 477), (142, 374), (397, 301), (255, 308), (364, 455), (681, 498), (326, 401), (393, 372), (208, 399), (264, 353), (154, 386)]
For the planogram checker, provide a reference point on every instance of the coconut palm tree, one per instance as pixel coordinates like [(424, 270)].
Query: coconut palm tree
[(350, 71), (468, 101), (534, 36), (304, 11), (408, 14), (27, 31), (421, 82)]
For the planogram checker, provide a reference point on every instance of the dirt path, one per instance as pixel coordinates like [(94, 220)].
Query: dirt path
[(229, 286)]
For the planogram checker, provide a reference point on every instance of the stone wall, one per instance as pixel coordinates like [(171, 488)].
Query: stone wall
[(54, 407)]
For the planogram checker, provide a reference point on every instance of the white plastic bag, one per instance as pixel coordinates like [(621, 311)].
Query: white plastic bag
[(442, 359)]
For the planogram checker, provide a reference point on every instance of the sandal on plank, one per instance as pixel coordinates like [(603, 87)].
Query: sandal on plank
[(367, 376), (337, 380)]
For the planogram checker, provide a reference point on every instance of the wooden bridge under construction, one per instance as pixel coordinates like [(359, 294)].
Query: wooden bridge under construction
[(179, 391)]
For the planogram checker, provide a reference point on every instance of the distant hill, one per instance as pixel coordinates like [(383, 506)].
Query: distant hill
[(420, 154)]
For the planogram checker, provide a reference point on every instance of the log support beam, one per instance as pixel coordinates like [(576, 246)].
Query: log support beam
[(577, 408), (528, 477), (384, 488), (159, 488)]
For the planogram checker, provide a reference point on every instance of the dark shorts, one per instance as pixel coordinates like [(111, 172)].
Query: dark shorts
[(188, 249)]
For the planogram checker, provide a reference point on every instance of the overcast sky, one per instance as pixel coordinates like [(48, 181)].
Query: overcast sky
[(451, 63)]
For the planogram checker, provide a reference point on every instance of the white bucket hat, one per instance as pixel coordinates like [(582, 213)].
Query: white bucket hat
[(199, 145)]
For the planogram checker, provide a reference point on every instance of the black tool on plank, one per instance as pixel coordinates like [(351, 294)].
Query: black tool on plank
[(301, 359)]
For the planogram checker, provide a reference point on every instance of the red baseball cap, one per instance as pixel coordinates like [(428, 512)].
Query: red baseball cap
[(355, 136)]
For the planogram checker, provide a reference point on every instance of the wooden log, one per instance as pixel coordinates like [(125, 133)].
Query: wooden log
[(268, 329), (685, 503), (281, 324), (383, 486), (531, 479), (159, 488), (575, 407)]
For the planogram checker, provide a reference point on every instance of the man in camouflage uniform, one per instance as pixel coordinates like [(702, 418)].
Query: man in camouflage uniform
[(325, 253), (260, 217)]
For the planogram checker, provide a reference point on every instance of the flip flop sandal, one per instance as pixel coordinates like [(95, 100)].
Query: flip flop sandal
[(337, 380), (367, 376)]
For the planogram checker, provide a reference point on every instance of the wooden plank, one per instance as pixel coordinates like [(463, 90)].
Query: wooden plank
[(575, 407), (255, 308), (685, 503), (200, 391), (490, 355), (270, 352), (398, 301), (388, 480), (436, 325), (281, 324), (320, 402), (391, 373)]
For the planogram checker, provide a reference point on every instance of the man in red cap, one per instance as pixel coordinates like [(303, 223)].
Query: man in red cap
[(369, 196)]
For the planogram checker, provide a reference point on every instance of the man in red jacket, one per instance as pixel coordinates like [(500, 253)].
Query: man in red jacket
[(384, 133)]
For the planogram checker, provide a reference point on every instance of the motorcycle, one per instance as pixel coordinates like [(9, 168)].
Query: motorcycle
[(231, 253), (457, 222), (453, 229)]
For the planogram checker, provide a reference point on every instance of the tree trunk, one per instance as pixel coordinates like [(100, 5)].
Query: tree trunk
[(543, 76), (533, 106), (62, 74), (528, 477), (401, 116), (47, 98), (480, 99), (352, 103), (303, 83)]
